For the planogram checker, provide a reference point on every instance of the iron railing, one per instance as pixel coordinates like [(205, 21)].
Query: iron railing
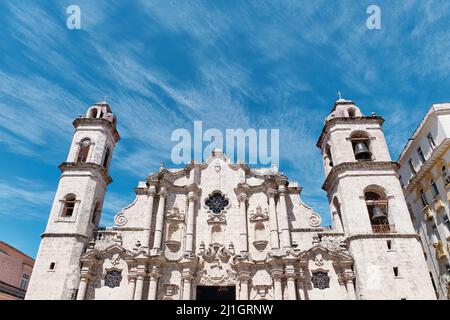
[(383, 228)]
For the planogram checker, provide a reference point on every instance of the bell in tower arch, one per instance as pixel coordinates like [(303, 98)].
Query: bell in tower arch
[(362, 153), (378, 215)]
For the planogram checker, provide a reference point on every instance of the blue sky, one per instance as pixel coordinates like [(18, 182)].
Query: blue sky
[(231, 64)]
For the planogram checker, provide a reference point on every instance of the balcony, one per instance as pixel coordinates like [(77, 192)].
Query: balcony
[(427, 213), (438, 205), (440, 251), (383, 228)]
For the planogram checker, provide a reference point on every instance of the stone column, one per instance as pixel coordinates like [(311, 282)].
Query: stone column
[(301, 285), (139, 286), (274, 239), (186, 279), (243, 235), (82, 288), (290, 281), (283, 219), (190, 223), (244, 278), (277, 288), (153, 283), (148, 216), (351, 292), (160, 219), (131, 287)]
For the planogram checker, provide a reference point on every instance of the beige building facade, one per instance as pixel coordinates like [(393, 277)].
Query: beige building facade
[(425, 177), (222, 230)]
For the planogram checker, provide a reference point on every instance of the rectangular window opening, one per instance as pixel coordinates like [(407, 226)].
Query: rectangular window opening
[(421, 156), (52, 266), (389, 244), (395, 271)]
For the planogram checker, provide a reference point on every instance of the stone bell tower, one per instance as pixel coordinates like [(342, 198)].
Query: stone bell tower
[(77, 205), (368, 206)]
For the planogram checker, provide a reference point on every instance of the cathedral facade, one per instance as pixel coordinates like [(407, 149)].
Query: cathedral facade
[(222, 230)]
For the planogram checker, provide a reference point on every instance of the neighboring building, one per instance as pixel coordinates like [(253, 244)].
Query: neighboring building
[(218, 230), (15, 272), (425, 177)]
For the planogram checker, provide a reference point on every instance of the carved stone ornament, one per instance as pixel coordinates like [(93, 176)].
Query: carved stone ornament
[(115, 259), (175, 215), (106, 238), (314, 220), (332, 243), (318, 260), (262, 290), (216, 268), (259, 214), (170, 289), (120, 219)]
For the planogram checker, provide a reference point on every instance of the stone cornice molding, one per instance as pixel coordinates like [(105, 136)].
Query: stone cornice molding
[(64, 235), (381, 235), (349, 166), (85, 166), (186, 189), (435, 110), (98, 121), (166, 174), (346, 120), (424, 172)]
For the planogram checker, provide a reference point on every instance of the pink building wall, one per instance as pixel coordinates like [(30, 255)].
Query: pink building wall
[(13, 264)]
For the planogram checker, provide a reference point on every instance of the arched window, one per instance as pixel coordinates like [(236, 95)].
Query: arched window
[(83, 150), (106, 158), (96, 213), (377, 206), (69, 205), (361, 146), (351, 112)]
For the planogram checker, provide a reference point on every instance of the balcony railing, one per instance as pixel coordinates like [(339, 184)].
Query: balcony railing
[(383, 228)]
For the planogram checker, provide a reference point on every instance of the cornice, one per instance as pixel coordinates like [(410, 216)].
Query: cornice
[(347, 120), (345, 166), (63, 235), (97, 121), (381, 235), (85, 166), (437, 154)]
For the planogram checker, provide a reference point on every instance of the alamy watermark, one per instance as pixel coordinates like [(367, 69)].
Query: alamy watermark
[(374, 20), (74, 19), (251, 145)]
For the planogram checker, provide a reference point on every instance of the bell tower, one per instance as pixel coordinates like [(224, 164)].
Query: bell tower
[(368, 206), (77, 205)]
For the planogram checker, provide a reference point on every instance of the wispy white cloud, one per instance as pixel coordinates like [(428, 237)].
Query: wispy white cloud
[(259, 65), (18, 201)]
